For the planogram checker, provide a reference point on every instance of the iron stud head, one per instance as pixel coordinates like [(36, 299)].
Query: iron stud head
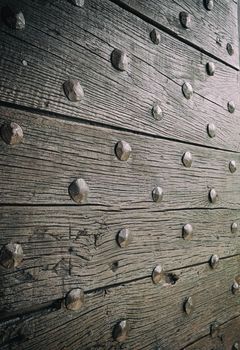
[(123, 238), (157, 112), (157, 194), (234, 227), (231, 106), (78, 191), (120, 59), (187, 90), (211, 130), (123, 150), (213, 196), (235, 288), (185, 19), (232, 166), (74, 299), (11, 133), (187, 159), (120, 331), (187, 232), (214, 261), (155, 36), (188, 306), (230, 49), (210, 68), (79, 3), (11, 255), (13, 18), (214, 329), (209, 4), (157, 274), (235, 346), (73, 90)]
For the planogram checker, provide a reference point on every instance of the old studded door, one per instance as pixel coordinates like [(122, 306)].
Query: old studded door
[(119, 182)]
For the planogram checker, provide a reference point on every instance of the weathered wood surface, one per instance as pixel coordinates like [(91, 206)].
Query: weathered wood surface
[(55, 50), (68, 246), (210, 30), (154, 314)]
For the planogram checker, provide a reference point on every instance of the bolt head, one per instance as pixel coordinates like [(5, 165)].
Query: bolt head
[(187, 232), (11, 255), (13, 18), (157, 274), (214, 261), (78, 191), (123, 237), (155, 36), (185, 19), (213, 196), (123, 150), (235, 288), (210, 68), (188, 306), (234, 227), (214, 329), (230, 49), (235, 346), (74, 299), (231, 106), (11, 133), (211, 130), (73, 90), (79, 3), (120, 331), (157, 112), (209, 4), (187, 90), (232, 166), (120, 59), (187, 159), (157, 194)]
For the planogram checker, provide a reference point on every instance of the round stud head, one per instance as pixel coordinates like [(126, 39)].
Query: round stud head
[(230, 49), (120, 331), (231, 106), (11, 133), (11, 255), (157, 112), (79, 3), (214, 329), (157, 194), (187, 159), (211, 130), (78, 191), (123, 238), (187, 232), (214, 261), (235, 288), (157, 274), (73, 90), (213, 196), (13, 18), (155, 36), (74, 299), (210, 68), (234, 227), (123, 150), (232, 166), (188, 306), (120, 59), (185, 19), (209, 4), (187, 90), (235, 346)]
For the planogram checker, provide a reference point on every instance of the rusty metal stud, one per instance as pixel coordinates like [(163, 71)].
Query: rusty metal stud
[(120, 331), (157, 112), (214, 329), (210, 68), (11, 255), (123, 237), (157, 274), (211, 130), (213, 196), (188, 306), (234, 227), (209, 4), (13, 17), (120, 59), (78, 190), (11, 133), (187, 232), (230, 49), (187, 159), (123, 150), (157, 194), (185, 19), (187, 90), (74, 299), (232, 166), (231, 106), (79, 3), (235, 346), (155, 36), (214, 261), (235, 288), (73, 90)]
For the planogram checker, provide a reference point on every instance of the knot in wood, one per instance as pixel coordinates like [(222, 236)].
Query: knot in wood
[(187, 90), (73, 90), (123, 150), (185, 19), (124, 237), (74, 299), (13, 18), (211, 130), (120, 331), (78, 191), (11, 133), (11, 255), (120, 59), (187, 159)]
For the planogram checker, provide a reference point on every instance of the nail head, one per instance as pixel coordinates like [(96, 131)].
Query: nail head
[(187, 159), (11, 255), (11, 133), (234, 227), (214, 329), (123, 150), (157, 194), (232, 166), (79, 191), (73, 90), (185, 19), (79, 3), (120, 59), (230, 49), (13, 18), (235, 288), (213, 196), (157, 274), (187, 232), (211, 130), (235, 346), (123, 237), (209, 4), (231, 106), (157, 112), (120, 331), (74, 299), (210, 67), (155, 36), (214, 261), (187, 90), (188, 306)]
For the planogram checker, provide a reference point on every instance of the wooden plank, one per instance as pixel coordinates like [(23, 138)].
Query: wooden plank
[(65, 247), (154, 314), (57, 50), (210, 31)]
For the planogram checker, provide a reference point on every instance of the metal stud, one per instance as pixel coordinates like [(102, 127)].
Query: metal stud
[(123, 237), (187, 90), (11, 133), (214, 329), (78, 191), (213, 196), (230, 49), (210, 68), (185, 19), (211, 130), (11, 255), (234, 227), (232, 166), (155, 36), (187, 159), (214, 261), (120, 59), (188, 306), (157, 274), (120, 331), (231, 106), (235, 288), (235, 346), (74, 299), (79, 3), (123, 150), (157, 112), (73, 90), (209, 4), (157, 194), (187, 232), (13, 17)]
